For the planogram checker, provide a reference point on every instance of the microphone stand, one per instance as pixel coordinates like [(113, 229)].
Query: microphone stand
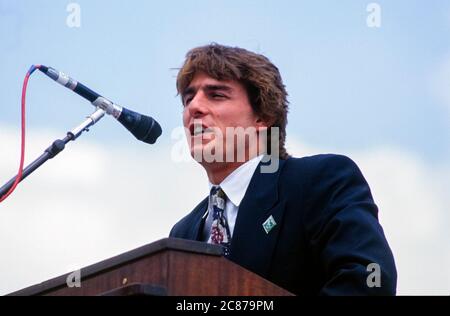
[(57, 146)]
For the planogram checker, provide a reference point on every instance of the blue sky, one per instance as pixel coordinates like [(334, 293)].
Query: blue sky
[(350, 86), (378, 95)]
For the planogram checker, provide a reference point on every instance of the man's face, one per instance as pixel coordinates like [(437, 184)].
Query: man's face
[(218, 105)]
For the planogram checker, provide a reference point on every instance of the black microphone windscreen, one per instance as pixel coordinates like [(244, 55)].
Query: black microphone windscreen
[(143, 127)]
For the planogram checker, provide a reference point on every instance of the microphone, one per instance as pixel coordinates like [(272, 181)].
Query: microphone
[(143, 127)]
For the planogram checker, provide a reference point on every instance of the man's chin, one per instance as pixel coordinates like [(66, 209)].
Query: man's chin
[(206, 155)]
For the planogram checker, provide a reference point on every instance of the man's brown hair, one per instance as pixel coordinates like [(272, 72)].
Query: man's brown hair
[(262, 79)]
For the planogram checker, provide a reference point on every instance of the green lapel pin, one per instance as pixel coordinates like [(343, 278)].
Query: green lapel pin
[(269, 224)]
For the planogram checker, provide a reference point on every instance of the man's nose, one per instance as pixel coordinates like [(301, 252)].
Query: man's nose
[(198, 107)]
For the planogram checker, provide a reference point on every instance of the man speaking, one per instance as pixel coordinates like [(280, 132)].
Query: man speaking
[(309, 224)]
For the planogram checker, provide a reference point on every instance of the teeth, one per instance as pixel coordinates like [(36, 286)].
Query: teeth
[(198, 130)]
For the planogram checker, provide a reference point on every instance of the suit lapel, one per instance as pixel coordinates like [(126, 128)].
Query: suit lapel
[(251, 246), (195, 233)]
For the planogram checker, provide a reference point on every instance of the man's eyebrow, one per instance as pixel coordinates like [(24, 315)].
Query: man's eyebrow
[(209, 87), (215, 87)]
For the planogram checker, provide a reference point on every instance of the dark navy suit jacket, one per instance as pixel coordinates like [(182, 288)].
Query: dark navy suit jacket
[(327, 230)]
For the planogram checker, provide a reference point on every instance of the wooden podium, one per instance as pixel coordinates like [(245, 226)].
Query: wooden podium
[(166, 267)]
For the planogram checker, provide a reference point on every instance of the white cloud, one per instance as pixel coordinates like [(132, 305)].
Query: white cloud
[(93, 202)]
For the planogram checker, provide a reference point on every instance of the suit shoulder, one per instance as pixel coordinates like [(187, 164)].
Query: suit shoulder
[(320, 164), (324, 177), (320, 160)]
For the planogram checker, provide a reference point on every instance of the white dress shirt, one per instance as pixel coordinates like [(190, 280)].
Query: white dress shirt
[(234, 186)]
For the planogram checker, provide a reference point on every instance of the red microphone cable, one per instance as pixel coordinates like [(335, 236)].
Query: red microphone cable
[(22, 149)]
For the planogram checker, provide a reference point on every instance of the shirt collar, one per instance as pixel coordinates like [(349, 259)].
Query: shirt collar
[(236, 183)]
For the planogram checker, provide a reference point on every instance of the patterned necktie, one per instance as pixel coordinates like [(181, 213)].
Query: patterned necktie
[(220, 232)]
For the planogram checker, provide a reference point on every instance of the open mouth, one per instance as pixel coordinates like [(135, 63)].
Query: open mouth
[(199, 129)]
